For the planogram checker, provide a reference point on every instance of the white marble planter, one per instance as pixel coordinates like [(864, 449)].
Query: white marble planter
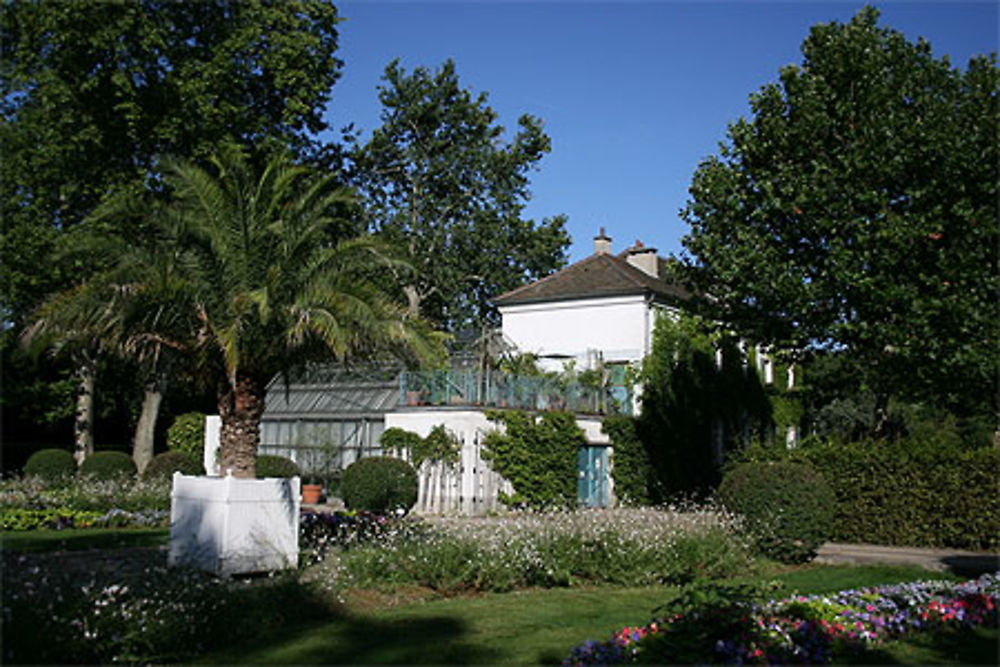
[(231, 526)]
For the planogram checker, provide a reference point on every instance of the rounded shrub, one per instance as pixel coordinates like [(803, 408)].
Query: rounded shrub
[(379, 484), (50, 465), (787, 505), (108, 465), (187, 434), (164, 465), (276, 466)]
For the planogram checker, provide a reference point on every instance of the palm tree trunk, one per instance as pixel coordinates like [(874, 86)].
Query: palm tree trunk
[(83, 427), (241, 406), (145, 429)]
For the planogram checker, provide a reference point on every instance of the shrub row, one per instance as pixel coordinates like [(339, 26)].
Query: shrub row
[(787, 505), (901, 494)]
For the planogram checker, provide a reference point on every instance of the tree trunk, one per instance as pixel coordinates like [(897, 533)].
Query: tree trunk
[(145, 429), (83, 427), (240, 409)]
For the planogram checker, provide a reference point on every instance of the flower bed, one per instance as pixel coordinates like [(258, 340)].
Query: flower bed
[(802, 629), (628, 547)]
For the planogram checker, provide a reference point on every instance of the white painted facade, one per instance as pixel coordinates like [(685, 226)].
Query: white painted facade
[(615, 329)]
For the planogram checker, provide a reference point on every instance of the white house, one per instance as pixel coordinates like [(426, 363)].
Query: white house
[(600, 309)]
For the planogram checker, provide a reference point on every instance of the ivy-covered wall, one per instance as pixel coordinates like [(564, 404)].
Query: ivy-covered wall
[(537, 454), (693, 408)]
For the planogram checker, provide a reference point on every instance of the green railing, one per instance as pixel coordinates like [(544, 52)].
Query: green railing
[(499, 390)]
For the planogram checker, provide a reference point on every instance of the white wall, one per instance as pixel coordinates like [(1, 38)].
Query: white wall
[(619, 327)]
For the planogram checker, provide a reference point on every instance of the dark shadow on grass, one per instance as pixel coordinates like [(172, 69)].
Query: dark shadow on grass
[(949, 647), (358, 640), (973, 566)]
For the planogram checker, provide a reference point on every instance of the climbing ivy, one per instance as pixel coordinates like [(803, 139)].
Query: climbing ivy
[(439, 445), (632, 471), (537, 454), (692, 405)]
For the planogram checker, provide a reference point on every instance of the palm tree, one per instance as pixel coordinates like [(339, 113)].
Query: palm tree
[(135, 306), (274, 286)]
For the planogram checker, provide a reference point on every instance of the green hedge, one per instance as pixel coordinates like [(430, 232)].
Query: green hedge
[(165, 464), (379, 484), (787, 505), (50, 464), (889, 494), (108, 465), (276, 466), (187, 434), (908, 493)]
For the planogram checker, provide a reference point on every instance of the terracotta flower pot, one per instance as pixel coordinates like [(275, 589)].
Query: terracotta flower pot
[(311, 493)]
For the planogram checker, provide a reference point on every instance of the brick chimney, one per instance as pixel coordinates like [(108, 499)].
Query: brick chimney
[(645, 259), (602, 243)]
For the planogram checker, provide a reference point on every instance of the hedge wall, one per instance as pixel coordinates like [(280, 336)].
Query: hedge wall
[(902, 494)]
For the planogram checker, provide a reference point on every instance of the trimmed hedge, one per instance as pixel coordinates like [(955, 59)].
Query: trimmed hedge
[(187, 434), (108, 465), (50, 465), (379, 484), (276, 466), (898, 495), (165, 464), (787, 505)]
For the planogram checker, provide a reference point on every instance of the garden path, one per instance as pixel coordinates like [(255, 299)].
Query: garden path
[(966, 563)]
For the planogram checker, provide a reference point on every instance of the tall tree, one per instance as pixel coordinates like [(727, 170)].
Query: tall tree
[(440, 181), (857, 211), (277, 285), (93, 92)]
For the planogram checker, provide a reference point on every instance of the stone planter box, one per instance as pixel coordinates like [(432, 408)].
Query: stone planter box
[(232, 526)]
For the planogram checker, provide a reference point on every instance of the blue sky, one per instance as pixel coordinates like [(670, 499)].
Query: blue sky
[(632, 94)]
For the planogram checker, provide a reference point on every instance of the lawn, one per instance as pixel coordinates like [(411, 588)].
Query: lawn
[(40, 541), (526, 627)]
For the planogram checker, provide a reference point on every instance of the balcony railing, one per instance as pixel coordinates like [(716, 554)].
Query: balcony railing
[(473, 388)]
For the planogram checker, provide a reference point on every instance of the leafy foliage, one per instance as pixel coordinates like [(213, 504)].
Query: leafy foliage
[(551, 549), (856, 210), (693, 410), (96, 92), (440, 445), (165, 464), (50, 465), (440, 182), (276, 466), (537, 454), (788, 507), (108, 465), (633, 472), (187, 435), (379, 484), (909, 493)]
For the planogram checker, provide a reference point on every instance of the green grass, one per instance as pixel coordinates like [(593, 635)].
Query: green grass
[(980, 646), (524, 628), (82, 539)]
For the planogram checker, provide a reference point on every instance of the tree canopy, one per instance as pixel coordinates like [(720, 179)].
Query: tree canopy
[(441, 182), (94, 92), (856, 210)]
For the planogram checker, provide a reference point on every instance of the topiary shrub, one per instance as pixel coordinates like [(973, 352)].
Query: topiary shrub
[(187, 434), (164, 465), (379, 484), (108, 465), (787, 505), (276, 466), (50, 465)]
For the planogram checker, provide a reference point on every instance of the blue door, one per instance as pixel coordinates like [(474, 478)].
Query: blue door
[(592, 477)]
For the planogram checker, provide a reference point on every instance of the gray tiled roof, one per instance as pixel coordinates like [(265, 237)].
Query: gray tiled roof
[(600, 275)]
